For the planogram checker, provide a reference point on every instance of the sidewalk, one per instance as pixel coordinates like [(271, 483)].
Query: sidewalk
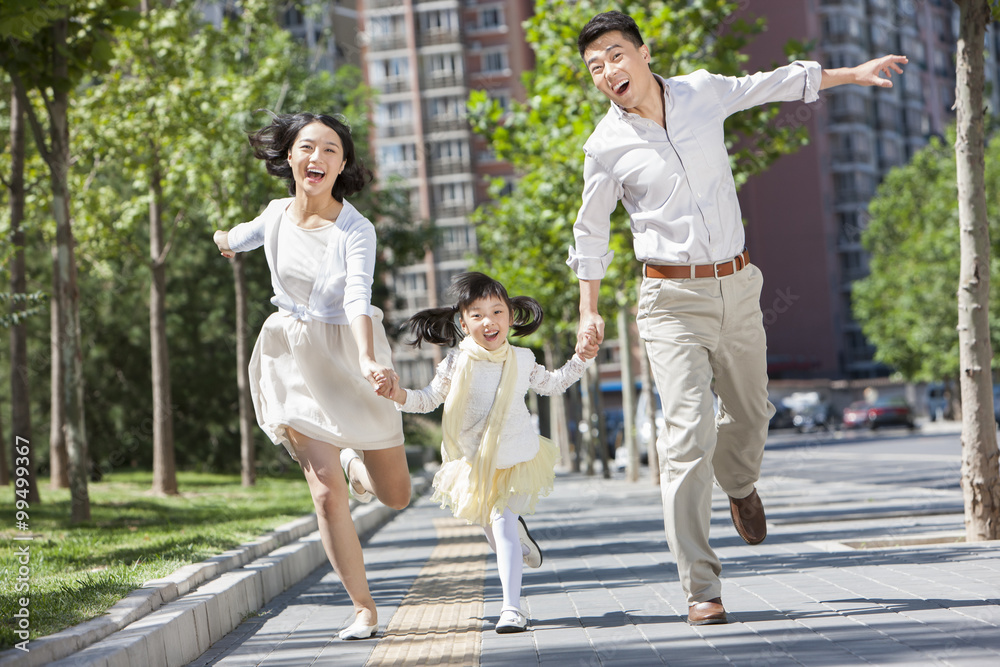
[(825, 588)]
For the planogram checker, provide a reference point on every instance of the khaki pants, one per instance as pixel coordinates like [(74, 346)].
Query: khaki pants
[(696, 331)]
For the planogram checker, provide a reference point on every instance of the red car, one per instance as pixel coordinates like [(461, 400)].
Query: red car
[(856, 414), (889, 411)]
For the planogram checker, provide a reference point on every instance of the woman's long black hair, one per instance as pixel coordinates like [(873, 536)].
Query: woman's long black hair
[(273, 142), (440, 325)]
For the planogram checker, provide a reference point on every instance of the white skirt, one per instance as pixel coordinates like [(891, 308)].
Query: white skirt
[(306, 376)]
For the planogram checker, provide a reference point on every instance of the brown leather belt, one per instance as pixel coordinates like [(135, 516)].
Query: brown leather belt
[(718, 270)]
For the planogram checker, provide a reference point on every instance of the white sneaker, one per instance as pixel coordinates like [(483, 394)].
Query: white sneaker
[(511, 620), (532, 553), (346, 456)]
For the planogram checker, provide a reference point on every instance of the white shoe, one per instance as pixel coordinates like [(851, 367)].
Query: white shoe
[(358, 630), (533, 555), (346, 456), (511, 620)]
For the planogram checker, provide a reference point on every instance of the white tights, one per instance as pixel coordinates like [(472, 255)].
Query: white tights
[(505, 539)]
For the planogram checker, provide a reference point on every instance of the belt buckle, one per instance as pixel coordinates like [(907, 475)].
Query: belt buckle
[(715, 267)]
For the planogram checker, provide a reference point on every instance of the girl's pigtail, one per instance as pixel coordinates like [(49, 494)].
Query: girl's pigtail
[(434, 325), (526, 315)]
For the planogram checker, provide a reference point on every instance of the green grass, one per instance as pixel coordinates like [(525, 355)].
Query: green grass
[(78, 572)]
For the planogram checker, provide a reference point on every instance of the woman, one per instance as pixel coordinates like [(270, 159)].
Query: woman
[(322, 361)]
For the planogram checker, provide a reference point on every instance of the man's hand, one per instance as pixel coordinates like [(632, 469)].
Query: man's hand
[(870, 73), (586, 343), (867, 74), (591, 332)]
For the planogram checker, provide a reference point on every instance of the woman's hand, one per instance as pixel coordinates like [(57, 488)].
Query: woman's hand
[(221, 239), (383, 379)]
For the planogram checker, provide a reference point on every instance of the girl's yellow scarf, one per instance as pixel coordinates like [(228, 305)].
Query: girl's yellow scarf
[(484, 464)]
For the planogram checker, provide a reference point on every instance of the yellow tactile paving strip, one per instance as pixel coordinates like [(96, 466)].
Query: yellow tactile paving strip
[(440, 620)]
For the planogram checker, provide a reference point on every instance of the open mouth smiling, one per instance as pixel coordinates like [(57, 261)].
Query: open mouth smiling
[(620, 87), (315, 175)]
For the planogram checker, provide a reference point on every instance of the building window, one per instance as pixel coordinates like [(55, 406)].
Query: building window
[(449, 151), (390, 69), (491, 18), (444, 65), (495, 61), (393, 113), (459, 238), (446, 108), (439, 20), (502, 97)]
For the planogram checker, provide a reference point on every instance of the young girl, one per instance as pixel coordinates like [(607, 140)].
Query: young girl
[(316, 357), (495, 464)]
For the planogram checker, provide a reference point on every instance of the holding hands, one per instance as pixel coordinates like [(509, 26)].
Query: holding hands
[(383, 379), (587, 343)]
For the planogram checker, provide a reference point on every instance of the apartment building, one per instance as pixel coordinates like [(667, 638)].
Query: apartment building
[(805, 215), (423, 58)]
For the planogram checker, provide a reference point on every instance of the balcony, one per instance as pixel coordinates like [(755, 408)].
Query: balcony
[(445, 124), (443, 79), (394, 85), (394, 130), (387, 43), (451, 209), (448, 167), (437, 37)]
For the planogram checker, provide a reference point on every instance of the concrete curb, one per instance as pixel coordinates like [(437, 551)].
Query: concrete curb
[(173, 620)]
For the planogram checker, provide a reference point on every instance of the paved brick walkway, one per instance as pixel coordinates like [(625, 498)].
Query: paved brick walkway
[(825, 588)]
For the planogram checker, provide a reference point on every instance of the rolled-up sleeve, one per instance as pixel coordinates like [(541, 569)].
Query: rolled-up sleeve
[(590, 258), (360, 263), (799, 80)]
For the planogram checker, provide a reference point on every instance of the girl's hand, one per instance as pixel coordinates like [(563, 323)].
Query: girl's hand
[(382, 378), (586, 345), (221, 239)]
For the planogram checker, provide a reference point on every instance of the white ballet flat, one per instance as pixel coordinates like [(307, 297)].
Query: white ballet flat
[(346, 456), (358, 630), (511, 620)]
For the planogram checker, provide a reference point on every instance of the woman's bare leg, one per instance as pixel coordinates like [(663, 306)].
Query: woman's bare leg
[(320, 463), (384, 473)]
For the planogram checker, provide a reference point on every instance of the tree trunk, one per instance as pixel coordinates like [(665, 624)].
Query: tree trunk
[(600, 427), (4, 468), (164, 471), (20, 413), (588, 423), (58, 456), (68, 296), (628, 393), (248, 463), (980, 474), (557, 411)]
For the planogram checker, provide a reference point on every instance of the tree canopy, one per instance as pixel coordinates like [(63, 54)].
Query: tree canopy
[(906, 305)]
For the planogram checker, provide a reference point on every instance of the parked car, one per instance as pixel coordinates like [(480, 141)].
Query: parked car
[(812, 418), (888, 411), (856, 414)]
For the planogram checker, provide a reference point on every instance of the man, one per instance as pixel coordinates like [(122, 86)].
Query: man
[(661, 151)]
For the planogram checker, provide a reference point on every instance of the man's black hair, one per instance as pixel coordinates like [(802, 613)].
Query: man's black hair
[(605, 23)]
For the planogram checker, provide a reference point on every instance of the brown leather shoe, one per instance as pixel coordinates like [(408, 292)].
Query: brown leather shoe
[(748, 517), (707, 613)]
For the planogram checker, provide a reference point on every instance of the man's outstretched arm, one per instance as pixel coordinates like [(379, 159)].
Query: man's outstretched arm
[(867, 74)]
